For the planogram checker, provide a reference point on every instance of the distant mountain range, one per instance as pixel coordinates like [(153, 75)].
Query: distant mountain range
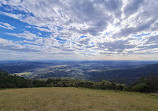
[(117, 71)]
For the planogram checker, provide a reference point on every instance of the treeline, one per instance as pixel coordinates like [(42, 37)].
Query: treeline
[(144, 84), (13, 81)]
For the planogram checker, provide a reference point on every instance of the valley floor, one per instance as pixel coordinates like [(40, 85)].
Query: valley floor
[(75, 99)]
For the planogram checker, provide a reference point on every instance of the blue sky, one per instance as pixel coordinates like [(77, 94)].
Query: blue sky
[(78, 30)]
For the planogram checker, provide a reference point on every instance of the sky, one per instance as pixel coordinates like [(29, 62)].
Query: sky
[(78, 30)]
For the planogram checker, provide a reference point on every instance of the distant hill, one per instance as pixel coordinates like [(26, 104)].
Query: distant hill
[(125, 75), (17, 67)]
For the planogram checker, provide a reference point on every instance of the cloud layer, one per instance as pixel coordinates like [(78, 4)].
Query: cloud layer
[(79, 29)]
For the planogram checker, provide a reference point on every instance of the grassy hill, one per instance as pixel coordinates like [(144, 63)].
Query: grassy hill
[(74, 99)]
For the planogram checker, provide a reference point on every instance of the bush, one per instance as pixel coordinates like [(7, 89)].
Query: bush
[(145, 84), (142, 87)]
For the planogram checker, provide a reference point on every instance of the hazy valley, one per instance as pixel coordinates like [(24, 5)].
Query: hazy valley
[(117, 71)]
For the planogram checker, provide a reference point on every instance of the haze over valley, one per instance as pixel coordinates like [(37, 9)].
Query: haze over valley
[(117, 71)]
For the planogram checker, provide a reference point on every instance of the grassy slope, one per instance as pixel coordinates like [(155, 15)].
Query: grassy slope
[(74, 99)]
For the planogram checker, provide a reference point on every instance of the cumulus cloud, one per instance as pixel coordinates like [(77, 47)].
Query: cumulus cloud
[(13, 46), (132, 7), (82, 27)]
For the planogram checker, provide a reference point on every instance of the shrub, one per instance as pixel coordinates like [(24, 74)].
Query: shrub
[(142, 87)]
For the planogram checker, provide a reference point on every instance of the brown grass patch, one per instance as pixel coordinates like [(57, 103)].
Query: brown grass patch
[(74, 99)]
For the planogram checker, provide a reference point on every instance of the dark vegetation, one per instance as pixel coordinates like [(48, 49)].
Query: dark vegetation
[(13, 81), (143, 84), (126, 76)]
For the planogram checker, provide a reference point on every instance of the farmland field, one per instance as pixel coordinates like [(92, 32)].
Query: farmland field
[(75, 99)]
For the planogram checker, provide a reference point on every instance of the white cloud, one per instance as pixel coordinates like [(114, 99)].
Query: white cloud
[(25, 34), (6, 26), (109, 25), (15, 46)]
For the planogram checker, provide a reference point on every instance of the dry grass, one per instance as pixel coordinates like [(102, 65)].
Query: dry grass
[(74, 99)]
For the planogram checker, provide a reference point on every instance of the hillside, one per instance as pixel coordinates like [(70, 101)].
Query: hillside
[(12, 81), (74, 99), (125, 75), (21, 66)]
